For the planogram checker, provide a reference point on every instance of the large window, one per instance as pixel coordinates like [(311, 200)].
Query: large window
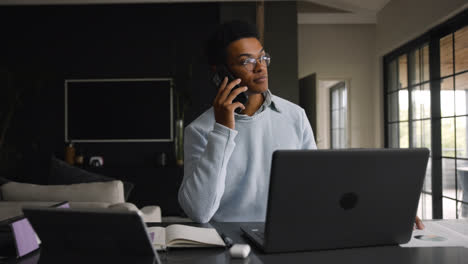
[(426, 95), (453, 108), (409, 115)]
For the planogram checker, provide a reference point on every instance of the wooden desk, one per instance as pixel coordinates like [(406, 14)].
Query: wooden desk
[(388, 254)]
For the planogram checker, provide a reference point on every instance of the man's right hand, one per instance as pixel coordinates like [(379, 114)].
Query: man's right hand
[(223, 105)]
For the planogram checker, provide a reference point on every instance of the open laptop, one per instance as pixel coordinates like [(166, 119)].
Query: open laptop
[(329, 199), (91, 233)]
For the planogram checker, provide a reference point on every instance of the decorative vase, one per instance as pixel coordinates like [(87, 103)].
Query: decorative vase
[(70, 154), (179, 142)]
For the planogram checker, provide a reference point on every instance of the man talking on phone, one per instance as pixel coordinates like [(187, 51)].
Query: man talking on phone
[(227, 152)]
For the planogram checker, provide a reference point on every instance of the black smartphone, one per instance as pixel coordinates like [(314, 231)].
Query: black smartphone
[(218, 77)]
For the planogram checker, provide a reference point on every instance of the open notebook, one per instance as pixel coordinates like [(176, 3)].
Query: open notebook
[(184, 236)]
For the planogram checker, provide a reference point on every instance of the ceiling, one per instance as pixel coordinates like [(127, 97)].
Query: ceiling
[(327, 84), (373, 5), (309, 11), (64, 2), (339, 11)]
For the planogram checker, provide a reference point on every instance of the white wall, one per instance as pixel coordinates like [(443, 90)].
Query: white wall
[(342, 52), (399, 22), (355, 53), (403, 20)]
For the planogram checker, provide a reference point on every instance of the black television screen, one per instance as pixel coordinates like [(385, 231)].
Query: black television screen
[(112, 110)]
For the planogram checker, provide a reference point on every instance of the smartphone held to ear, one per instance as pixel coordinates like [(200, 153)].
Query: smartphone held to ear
[(218, 77)]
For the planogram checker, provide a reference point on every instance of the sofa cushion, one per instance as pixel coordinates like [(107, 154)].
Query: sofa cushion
[(106, 192), (9, 209), (63, 173), (3, 181), (13, 209)]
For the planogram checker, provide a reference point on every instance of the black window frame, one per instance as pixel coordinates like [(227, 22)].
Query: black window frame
[(431, 37)]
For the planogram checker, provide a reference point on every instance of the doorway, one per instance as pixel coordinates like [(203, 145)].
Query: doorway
[(332, 114)]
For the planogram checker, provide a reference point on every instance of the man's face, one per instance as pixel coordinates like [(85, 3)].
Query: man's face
[(255, 79)]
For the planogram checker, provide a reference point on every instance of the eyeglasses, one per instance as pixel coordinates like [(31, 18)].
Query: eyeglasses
[(250, 63)]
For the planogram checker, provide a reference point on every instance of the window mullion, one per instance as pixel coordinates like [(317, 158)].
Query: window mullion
[(436, 137), (409, 77), (455, 123)]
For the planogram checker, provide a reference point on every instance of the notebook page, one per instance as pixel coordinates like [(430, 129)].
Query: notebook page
[(159, 236), (436, 235), (188, 234), (458, 225)]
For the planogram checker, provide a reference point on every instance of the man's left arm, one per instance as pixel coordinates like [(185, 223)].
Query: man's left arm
[(418, 224)]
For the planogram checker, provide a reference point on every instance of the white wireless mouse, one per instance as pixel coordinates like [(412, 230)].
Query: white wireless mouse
[(239, 251)]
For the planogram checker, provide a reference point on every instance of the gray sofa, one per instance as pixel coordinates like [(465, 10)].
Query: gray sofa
[(14, 196)]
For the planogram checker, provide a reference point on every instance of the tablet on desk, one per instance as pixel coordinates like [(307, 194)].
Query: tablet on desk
[(92, 232), (17, 236)]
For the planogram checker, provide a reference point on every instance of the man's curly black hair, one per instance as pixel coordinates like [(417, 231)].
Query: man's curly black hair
[(225, 35)]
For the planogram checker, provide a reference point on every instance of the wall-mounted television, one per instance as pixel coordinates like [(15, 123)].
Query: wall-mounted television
[(119, 110)]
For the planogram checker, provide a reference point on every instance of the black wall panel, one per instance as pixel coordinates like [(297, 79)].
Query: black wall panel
[(44, 45)]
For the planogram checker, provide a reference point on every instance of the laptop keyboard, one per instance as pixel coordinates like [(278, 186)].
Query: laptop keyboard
[(259, 233), (255, 231)]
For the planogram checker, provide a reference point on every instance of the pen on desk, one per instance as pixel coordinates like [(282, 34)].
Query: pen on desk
[(227, 240)]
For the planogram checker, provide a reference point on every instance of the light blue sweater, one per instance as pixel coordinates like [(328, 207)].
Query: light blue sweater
[(227, 172)]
